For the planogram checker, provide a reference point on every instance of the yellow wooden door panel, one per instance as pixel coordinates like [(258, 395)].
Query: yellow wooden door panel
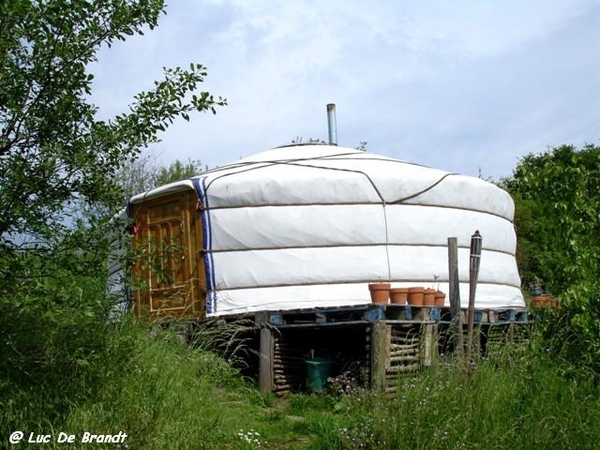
[(169, 274)]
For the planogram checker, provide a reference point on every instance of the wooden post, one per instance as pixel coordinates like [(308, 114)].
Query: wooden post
[(267, 347), (380, 354), (428, 339), (456, 325)]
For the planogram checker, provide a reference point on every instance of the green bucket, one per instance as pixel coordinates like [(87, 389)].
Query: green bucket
[(317, 372)]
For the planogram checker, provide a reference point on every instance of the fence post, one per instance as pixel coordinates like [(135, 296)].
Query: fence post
[(380, 354), (456, 325), (267, 347)]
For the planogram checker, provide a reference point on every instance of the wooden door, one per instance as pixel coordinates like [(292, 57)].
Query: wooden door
[(168, 278)]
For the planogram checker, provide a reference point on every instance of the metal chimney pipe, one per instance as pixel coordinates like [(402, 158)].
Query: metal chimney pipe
[(331, 124)]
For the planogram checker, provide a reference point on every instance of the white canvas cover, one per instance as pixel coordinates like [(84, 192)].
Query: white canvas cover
[(311, 225)]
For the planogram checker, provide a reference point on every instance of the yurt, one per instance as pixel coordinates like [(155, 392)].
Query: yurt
[(307, 226)]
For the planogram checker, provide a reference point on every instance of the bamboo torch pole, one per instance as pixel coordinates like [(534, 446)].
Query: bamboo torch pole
[(475, 259)]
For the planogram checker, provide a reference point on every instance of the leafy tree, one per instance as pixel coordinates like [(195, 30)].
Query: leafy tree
[(55, 154), (144, 173), (557, 197), (177, 170), (133, 177), (53, 149)]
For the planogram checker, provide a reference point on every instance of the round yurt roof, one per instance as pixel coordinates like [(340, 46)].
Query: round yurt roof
[(352, 175), (312, 225)]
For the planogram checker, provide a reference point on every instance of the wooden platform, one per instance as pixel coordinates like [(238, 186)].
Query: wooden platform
[(374, 345), (374, 313)]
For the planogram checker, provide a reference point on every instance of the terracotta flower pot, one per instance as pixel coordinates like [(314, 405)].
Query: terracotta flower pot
[(428, 297), (544, 301), (398, 296), (380, 293), (415, 296), (439, 298)]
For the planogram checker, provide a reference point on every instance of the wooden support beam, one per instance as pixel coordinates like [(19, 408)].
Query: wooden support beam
[(380, 354), (265, 368), (393, 371), (404, 352), (401, 359), (267, 347), (429, 344)]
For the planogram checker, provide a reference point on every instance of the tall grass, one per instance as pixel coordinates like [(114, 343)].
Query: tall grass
[(169, 396), (140, 380), (143, 382), (514, 404)]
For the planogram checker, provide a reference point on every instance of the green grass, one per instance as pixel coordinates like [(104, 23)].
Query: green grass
[(143, 382), (510, 407)]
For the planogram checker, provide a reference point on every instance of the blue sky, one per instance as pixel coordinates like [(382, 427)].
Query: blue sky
[(464, 86)]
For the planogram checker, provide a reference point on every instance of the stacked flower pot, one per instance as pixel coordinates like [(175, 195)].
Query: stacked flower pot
[(382, 293)]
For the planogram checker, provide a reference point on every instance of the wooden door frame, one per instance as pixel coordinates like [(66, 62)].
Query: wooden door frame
[(193, 268)]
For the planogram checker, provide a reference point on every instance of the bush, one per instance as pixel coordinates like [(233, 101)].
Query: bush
[(571, 335), (557, 199)]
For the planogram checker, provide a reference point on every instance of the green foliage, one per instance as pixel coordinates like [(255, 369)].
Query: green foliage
[(143, 173), (557, 197), (163, 394), (140, 380), (53, 326), (511, 403), (527, 405), (53, 149), (234, 341), (60, 353), (572, 334), (177, 170)]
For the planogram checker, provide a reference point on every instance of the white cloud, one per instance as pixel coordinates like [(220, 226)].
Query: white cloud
[(456, 85)]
